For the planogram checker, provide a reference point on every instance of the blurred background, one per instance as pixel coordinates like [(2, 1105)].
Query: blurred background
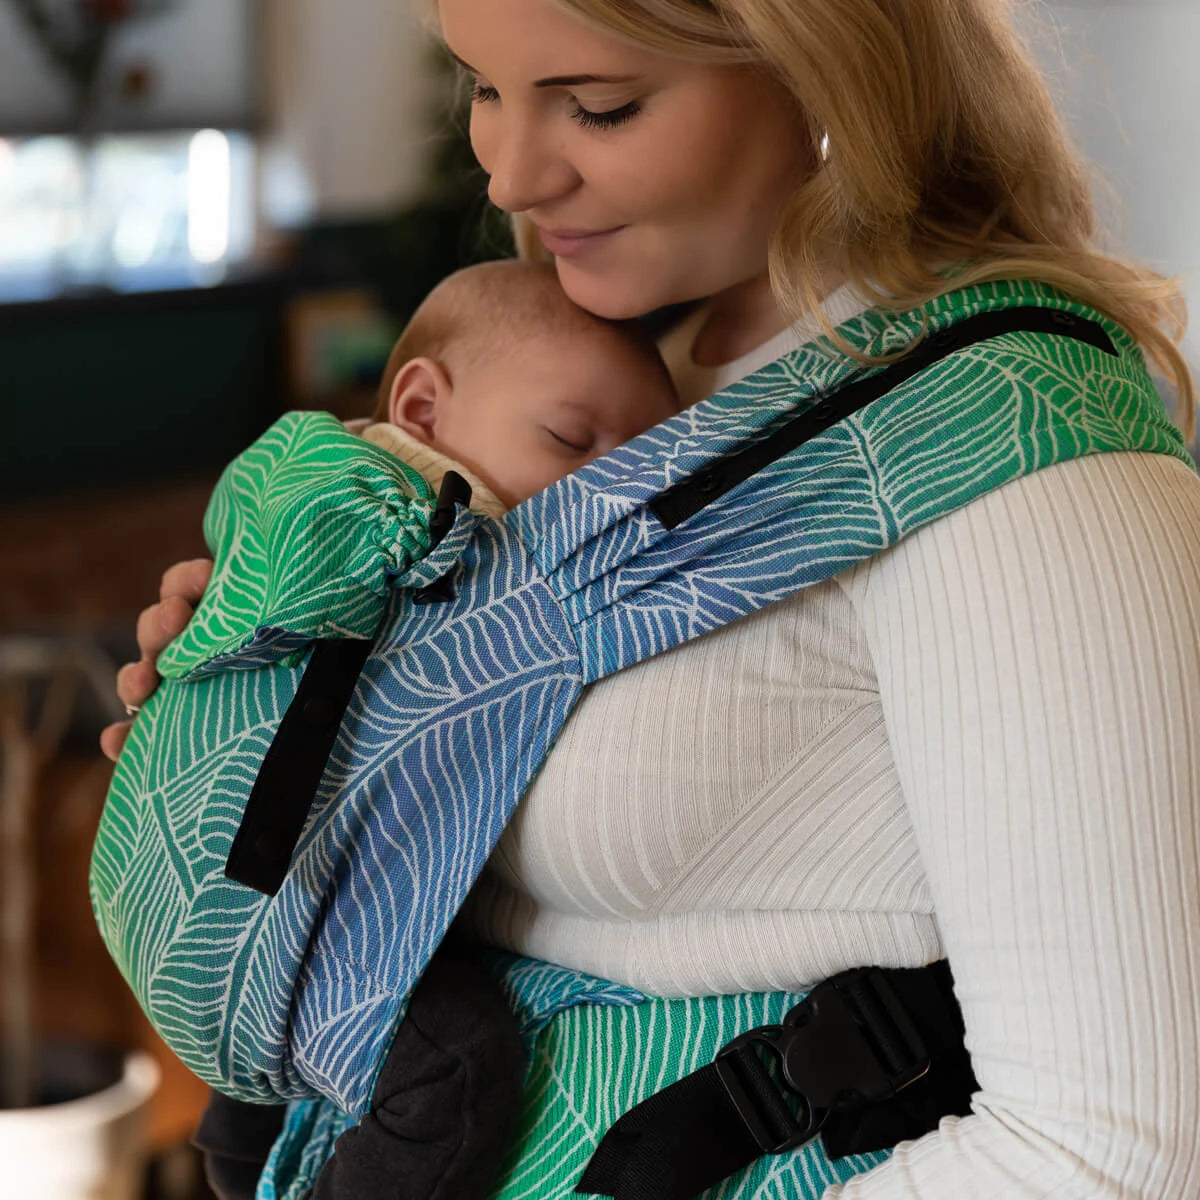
[(212, 211)]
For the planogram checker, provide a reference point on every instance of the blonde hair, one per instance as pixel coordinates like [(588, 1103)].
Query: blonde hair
[(947, 154), (486, 310)]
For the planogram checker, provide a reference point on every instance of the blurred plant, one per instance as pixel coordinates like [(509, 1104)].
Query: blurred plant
[(455, 224), (456, 175), (74, 35)]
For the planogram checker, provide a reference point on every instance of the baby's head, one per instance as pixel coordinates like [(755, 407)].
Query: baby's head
[(500, 371)]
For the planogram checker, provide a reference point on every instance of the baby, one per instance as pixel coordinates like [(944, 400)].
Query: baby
[(501, 373), (500, 377)]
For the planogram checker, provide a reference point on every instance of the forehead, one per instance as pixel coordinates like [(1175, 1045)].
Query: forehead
[(568, 354), (564, 361), (600, 376), (534, 38)]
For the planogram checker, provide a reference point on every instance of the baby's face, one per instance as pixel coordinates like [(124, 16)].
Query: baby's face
[(531, 416)]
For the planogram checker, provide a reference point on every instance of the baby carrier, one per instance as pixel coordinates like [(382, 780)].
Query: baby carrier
[(304, 804)]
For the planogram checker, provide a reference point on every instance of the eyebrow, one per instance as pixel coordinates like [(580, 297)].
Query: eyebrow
[(555, 80), (582, 409)]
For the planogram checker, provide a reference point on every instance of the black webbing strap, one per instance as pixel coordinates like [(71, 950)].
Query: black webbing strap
[(294, 763), (292, 767), (696, 492), (455, 490), (869, 1058)]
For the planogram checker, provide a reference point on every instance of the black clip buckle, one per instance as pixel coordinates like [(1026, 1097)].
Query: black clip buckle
[(455, 490), (848, 1043)]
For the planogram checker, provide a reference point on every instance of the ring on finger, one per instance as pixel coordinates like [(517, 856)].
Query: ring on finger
[(132, 710)]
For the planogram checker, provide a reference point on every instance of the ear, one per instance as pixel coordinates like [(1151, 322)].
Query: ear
[(420, 392)]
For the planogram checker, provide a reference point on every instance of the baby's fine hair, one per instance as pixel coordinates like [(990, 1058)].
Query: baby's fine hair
[(485, 310)]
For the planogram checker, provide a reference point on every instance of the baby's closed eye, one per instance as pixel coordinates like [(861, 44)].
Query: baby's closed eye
[(579, 441)]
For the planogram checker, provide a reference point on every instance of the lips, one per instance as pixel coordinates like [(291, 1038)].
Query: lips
[(569, 243)]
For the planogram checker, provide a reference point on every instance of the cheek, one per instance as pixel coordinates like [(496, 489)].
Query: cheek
[(746, 164), (721, 157), (669, 173)]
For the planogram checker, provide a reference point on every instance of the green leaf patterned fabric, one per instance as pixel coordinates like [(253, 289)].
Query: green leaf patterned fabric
[(306, 529), (595, 1049)]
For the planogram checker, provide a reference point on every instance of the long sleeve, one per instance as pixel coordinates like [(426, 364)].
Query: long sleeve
[(1038, 660)]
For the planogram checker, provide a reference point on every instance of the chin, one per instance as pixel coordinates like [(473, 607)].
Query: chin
[(608, 295)]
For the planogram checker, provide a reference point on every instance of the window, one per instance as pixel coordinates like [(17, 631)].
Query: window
[(127, 212)]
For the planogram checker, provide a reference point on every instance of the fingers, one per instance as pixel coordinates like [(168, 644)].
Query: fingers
[(135, 682), (186, 579), (160, 623), (112, 738), (182, 586)]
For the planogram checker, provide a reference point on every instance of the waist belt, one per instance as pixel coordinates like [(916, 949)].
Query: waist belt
[(869, 1058)]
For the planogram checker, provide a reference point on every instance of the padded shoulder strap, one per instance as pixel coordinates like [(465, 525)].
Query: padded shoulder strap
[(690, 496), (845, 463)]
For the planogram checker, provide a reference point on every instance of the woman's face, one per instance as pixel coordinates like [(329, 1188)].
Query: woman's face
[(651, 179)]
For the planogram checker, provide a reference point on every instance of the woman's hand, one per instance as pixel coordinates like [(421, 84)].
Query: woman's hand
[(179, 593)]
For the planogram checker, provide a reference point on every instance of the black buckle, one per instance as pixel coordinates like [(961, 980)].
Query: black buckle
[(455, 490), (849, 1043)]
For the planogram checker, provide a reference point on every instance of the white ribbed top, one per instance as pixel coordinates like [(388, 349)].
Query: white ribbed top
[(984, 742), (694, 382)]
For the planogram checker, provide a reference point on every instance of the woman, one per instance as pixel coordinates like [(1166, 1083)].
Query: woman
[(979, 744)]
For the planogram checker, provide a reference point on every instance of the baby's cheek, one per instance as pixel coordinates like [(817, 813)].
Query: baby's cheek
[(521, 476), (547, 468)]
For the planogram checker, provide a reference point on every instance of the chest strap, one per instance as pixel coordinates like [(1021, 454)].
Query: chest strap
[(869, 1058)]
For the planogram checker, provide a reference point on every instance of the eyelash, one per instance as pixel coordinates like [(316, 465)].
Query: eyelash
[(574, 447), (612, 119)]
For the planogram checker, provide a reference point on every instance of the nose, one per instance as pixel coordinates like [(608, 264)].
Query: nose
[(526, 169)]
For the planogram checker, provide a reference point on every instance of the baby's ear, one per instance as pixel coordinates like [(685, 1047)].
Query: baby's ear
[(419, 393)]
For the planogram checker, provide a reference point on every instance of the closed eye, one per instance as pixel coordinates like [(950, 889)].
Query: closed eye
[(575, 447), (613, 118)]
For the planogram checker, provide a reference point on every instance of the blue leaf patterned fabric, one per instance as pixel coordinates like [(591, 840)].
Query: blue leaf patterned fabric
[(297, 996)]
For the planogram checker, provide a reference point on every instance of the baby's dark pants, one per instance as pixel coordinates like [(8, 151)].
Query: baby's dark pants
[(442, 1115)]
